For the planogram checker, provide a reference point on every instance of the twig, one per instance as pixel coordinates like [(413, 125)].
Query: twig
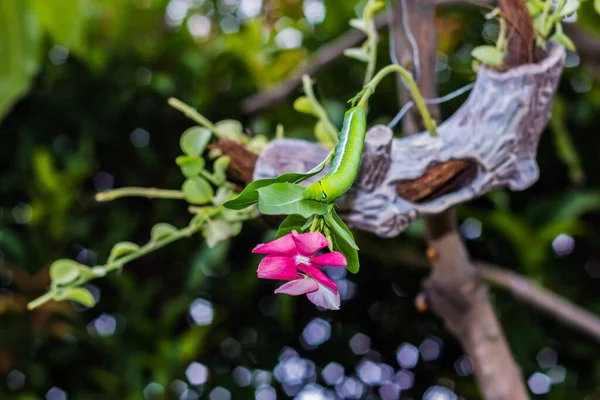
[(139, 192), (545, 300), (102, 270), (411, 86)]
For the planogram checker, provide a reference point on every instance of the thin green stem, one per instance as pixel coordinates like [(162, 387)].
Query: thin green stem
[(412, 87), (544, 17), (194, 115), (315, 224), (320, 111), (101, 270), (139, 192), (501, 44), (46, 297), (372, 44), (150, 247)]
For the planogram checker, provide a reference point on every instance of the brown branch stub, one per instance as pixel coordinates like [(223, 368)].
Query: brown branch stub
[(242, 162), (520, 33), (438, 180)]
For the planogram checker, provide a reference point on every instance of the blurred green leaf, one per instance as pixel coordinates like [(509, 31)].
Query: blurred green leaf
[(357, 53), (80, 295), (597, 6), (191, 166), (304, 105), (358, 24), (121, 249), (231, 129), (216, 231), (19, 51), (194, 140), (64, 20), (220, 168), (64, 272), (161, 231), (562, 140), (197, 190), (489, 55)]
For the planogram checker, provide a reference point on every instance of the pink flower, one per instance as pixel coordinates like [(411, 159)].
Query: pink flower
[(291, 258)]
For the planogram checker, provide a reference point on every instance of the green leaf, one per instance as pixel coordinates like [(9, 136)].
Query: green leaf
[(563, 143), (20, 55), (231, 128), (597, 6), (220, 168), (535, 8), (358, 53), (64, 272), (194, 140), (292, 222), (304, 105), (358, 24), (489, 55), (249, 195), (190, 165), (575, 204), (78, 294), (338, 227), (161, 231), (570, 6), (351, 254), (371, 8), (197, 190), (563, 39), (120, 249), (322, 134), (223, 194), (216, 231), (286, 199), (64, 20)]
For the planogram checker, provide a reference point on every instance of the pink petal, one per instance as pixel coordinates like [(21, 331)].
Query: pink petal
[(309, 243), (325, 297), (284, 246), (298, 286), (333, 259), (277, 267), (318, 275)]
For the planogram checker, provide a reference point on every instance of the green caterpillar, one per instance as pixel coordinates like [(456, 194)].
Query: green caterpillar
[(346, 160)]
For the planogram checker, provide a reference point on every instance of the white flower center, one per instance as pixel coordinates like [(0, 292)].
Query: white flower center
[(302, 260)]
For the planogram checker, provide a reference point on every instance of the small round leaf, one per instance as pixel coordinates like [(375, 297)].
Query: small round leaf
[(194, 141), (489, 55), (120, 249), (64, 271), (190, 165), (218, 230), (220, 167), (304, 105), (80, 295), (197, 190), (161, 231), (230, 128)]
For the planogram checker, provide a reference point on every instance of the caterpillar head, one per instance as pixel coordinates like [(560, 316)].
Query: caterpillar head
[(315, 192)]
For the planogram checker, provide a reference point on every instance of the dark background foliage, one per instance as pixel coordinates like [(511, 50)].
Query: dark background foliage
[(95, 117)]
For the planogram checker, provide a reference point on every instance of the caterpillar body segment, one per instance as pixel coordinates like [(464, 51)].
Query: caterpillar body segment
[(346, 160)]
